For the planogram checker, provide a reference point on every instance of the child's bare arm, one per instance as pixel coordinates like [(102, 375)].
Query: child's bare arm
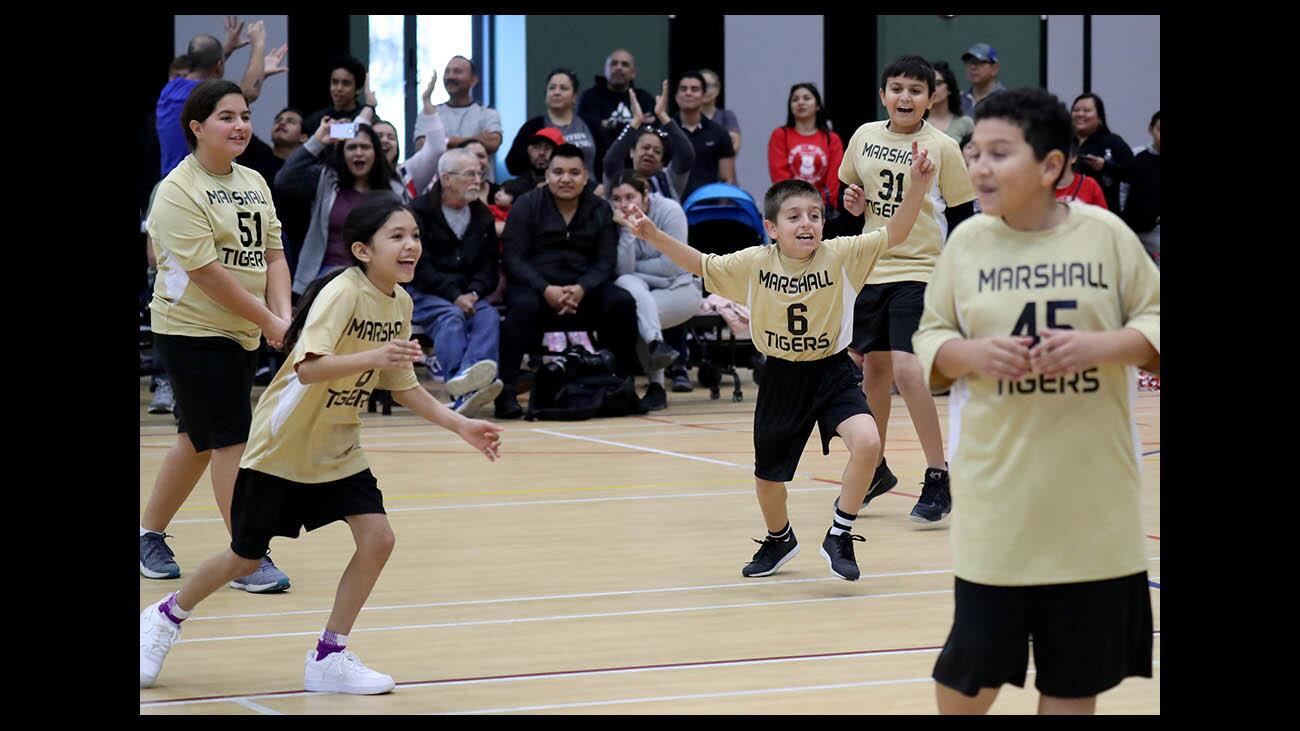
[(682, 254), (483, 436), (922, 172)]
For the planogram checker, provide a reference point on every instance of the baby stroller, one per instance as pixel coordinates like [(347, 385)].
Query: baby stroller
[(721, 219)]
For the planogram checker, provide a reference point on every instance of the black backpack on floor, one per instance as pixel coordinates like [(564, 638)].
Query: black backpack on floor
[(579, 385)]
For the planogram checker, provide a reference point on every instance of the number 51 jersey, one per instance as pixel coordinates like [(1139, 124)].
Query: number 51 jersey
[(800, 309), (197, 218)]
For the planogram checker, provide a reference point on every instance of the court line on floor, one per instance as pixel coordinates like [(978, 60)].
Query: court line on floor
[(543, 675), (257, 707), (584, 615), (587, 595)]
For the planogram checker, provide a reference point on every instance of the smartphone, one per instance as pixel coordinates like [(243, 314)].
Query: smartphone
[(343, 130)]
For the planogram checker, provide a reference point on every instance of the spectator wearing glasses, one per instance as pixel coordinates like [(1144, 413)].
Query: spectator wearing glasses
[(945, 104), (456, 272)]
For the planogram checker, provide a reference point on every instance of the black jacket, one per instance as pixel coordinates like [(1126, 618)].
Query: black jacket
[(607, 112), (542, 250), (1116, 170), (1142, 209), (448, 266)]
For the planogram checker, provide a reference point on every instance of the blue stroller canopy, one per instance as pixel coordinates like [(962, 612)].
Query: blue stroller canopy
[(723, 202)]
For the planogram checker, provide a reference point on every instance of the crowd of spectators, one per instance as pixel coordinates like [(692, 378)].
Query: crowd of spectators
[(547, 244)]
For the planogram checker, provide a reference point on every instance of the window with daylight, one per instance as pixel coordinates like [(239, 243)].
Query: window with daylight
[(387, 74), (436, 39)]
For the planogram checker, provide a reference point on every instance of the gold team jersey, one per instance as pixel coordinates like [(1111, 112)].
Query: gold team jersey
[(880, 162), (1045, 471), (800, 309), (312, 433), (198, 218)]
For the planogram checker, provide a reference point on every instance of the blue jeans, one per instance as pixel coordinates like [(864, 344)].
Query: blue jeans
[(459, 341)]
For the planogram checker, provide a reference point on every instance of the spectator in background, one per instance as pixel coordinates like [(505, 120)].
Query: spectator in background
[(1076, 187), (1103, 155), (539, 148), (561, 250), (504, 199), (465, 118), (561, 101), (805, 148), (715, 158), (604, 106), (710, 108), (1142, 205), (968, 155), (945, 106), (456, 272), (207, 60), (347, 79), (651, 150), (286, 136), (488, 190), (982, 72), (419, 170), (335, 177), (666, 295)]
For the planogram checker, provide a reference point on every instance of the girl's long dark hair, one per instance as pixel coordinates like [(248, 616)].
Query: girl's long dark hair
[(950, 81), (361, 225), (380, 173)]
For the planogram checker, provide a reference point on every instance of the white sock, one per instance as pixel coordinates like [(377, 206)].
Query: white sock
[(144, 530)]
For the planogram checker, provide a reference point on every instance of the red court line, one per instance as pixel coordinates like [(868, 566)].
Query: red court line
[(678, 423), (1154, 538), (561, 673)]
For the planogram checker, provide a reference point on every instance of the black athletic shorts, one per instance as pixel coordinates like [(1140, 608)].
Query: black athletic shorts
[(1087, 636), (212, 381), (886, 316), (794, 395), (265, 505)]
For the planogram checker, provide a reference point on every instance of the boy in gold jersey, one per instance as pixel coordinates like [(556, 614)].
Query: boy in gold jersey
[(888, 309), (1037, 316), (800, 294), (304, 466)]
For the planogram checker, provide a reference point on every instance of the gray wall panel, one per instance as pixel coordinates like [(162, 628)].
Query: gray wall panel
[(1126, 72), (1065, 56)]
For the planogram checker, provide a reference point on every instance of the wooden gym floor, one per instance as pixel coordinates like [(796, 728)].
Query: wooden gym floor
[(596, 569)]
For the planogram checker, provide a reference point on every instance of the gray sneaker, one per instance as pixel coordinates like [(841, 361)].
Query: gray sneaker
[(156, 557), (267, 579), (163, 402)]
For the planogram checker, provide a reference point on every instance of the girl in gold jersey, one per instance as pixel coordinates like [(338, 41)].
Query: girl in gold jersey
[(304, 466)]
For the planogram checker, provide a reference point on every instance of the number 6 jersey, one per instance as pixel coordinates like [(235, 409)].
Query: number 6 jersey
[(1045, 471), (198, 218), (800, 309)]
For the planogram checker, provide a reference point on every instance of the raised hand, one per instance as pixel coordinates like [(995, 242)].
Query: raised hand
[(922, 168), (638, 222), (368, 95), (396, 353), (427, 95), (483, 436), (661, 103), (257, 33), (274, 59), (234, 27), (635, 106), (855, 200), (323, 132)]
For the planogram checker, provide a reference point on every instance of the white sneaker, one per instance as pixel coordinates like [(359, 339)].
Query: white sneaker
[(343, 672), (472, 379), (157, 635)]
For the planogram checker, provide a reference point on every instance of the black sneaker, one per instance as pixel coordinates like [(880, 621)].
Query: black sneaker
[(681, 380), (156, 557), (656, 355), (655, 398), (507, 406), (772, 555), (881, 482), (936, 498), (838, 552)]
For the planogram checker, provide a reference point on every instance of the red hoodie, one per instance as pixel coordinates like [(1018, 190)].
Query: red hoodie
[(814, 158)]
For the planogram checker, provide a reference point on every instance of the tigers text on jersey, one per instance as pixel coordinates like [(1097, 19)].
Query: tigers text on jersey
[(1045, 471), (198, 218), (800, 309), (312, 433), (880, 160)]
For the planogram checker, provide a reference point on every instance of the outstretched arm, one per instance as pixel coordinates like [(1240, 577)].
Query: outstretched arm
[(683, 255), (922, 172)]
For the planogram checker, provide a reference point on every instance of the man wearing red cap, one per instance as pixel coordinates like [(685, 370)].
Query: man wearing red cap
[(540, 145)]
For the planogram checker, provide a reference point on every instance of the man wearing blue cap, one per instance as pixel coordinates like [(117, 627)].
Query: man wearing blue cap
[(982, 72)]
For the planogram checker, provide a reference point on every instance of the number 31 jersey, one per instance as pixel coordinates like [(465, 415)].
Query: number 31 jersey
[(800, 309), (198, 218)]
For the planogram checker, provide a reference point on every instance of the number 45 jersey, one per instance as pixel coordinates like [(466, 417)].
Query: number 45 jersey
[(1045, 471), (800, 309), (197, 218)]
